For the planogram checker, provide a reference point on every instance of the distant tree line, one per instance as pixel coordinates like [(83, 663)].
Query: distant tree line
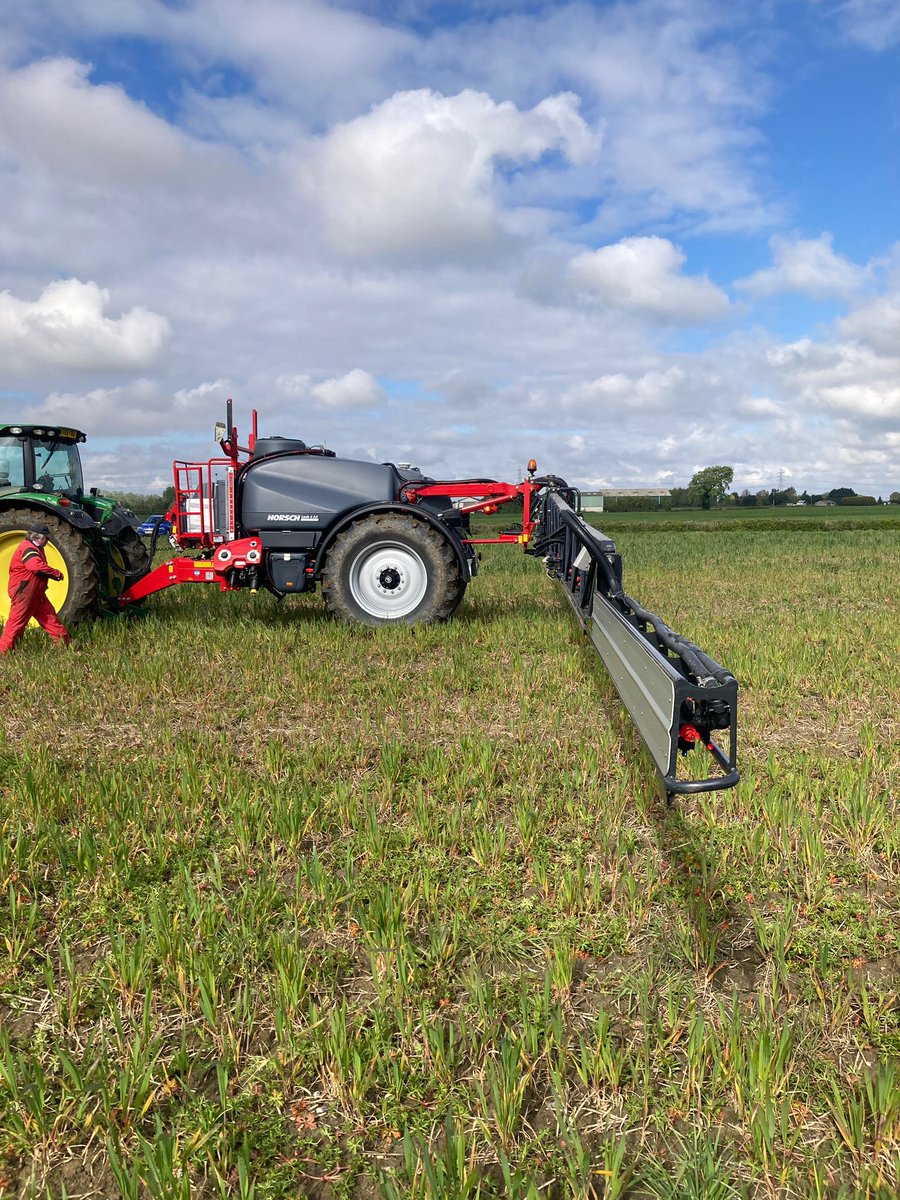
[(709, 489), (705, 491), (145, 504), (776, 497)]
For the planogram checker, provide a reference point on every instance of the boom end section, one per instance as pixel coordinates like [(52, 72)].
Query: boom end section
[(682, 718), (682, 702)]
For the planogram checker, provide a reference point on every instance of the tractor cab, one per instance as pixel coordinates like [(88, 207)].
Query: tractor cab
[(40, 464), (42, 459)]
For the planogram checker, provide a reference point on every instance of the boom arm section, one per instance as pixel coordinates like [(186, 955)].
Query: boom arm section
[(676, 694)]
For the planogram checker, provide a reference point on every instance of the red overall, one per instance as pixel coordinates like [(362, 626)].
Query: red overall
[(29, 572)]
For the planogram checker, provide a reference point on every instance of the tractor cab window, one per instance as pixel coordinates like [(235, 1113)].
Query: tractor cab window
[(12, 463), (57, 468)]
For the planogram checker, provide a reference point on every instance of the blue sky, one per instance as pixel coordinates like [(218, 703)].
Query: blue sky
[(629, 239)]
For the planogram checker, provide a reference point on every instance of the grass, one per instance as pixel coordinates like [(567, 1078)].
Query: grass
[(290, 909), (733, 519)]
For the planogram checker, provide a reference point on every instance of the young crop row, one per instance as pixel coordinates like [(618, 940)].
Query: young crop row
[(290, 909)]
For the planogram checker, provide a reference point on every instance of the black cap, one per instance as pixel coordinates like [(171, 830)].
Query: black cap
[(39, 527)]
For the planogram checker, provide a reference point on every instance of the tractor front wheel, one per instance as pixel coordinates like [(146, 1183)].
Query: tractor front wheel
[(134, 554), (128, 560), (74, 596), (391, 568)]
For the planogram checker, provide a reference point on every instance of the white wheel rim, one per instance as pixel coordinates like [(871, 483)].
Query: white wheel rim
[(388, 580)]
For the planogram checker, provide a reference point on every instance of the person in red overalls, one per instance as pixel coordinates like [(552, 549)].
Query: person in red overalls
[(29, 572)]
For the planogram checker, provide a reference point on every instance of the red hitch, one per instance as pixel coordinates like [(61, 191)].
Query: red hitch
[(245, 552)]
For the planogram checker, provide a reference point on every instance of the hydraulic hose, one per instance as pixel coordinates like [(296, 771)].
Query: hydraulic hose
[(154, 536), (705, 670)]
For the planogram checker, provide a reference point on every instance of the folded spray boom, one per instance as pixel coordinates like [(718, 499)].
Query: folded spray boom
[(678, 697)]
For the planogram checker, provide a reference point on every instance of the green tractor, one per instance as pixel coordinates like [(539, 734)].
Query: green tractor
[(93, 538)]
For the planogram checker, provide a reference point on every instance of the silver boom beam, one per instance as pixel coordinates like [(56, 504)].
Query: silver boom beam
[(676, 694)]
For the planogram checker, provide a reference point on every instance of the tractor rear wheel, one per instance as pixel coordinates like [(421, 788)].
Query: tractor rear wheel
[(75, 596), (389, 568)]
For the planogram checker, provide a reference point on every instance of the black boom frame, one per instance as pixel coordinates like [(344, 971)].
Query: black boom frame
[(675, 693)]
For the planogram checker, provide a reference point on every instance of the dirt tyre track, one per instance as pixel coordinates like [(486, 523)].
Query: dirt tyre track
[(75, 598), (389, 568)]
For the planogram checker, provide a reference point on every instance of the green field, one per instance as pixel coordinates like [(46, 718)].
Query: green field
[(290, 909), (883, 516)]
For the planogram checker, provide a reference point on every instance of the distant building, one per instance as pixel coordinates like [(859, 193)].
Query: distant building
[(593, 501)]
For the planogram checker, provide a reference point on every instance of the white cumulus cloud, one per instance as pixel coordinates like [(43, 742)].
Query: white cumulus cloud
[(641, 275), (875, 24), (876, 323), (140, 408), (356, 389), (307, 188), (414, 178), (847, 379), (54, 115), (66, 328), (809, 266)]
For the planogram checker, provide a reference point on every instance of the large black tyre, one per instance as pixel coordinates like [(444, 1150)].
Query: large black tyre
[(389, 568), (128, 561), (135, 556), (75, 597)]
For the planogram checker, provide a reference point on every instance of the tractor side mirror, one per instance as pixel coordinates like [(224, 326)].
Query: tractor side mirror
[(219, 434)]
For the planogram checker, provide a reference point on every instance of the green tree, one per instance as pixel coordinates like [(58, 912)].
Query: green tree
[(680, 497), (142, 503), (710, 485), (895, 498)]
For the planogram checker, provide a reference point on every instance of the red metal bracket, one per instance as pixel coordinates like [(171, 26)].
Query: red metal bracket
[(244, 552), (488, 495)]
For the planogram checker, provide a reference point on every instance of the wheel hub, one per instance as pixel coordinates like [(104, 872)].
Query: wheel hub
[(388, 580)]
